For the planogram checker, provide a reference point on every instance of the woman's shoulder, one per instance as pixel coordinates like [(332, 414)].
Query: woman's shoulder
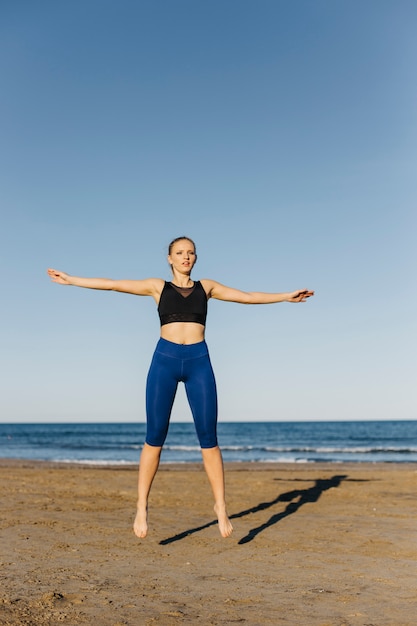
[(208, 285), (156, 283), (154, 286)]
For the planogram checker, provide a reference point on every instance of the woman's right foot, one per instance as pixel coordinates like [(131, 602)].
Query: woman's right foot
[(140, 525)]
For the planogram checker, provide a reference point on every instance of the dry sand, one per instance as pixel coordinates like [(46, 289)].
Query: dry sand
[(314, 544)]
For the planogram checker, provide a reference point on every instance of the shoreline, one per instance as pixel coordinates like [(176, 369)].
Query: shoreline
[(194, 465), (324, 544)]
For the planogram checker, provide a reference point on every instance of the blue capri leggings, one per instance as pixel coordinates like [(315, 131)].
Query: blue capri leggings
[(173, 363)]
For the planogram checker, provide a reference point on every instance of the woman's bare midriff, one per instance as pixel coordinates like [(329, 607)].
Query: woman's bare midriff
[(184, 333)]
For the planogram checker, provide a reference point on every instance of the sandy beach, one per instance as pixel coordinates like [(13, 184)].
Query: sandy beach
[(314, 544)]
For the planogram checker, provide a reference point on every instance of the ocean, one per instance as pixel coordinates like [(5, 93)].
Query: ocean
[(298, 442)]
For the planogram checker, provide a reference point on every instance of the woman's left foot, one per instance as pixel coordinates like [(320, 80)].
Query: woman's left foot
[(140, 525), (225, 525)]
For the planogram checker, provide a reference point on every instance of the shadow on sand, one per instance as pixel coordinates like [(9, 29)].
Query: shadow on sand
[(295, 498)]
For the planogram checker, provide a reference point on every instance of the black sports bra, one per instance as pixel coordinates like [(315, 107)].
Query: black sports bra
[(183, 304)]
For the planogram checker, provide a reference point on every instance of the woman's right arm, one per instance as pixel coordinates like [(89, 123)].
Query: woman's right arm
[(147, 287)]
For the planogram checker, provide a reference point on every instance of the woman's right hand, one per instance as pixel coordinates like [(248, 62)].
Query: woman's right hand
[(59, 277)]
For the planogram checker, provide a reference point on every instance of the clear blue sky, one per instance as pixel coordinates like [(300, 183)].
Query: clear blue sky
[(281, 136)]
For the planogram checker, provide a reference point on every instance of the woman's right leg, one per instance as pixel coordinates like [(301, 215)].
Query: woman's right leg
[(148, 466), (161, 387)]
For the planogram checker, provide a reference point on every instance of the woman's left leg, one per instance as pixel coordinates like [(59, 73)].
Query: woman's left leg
[(213, 464), (201, 391)]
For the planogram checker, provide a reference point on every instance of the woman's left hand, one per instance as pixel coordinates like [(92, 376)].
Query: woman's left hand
[(300, 296)]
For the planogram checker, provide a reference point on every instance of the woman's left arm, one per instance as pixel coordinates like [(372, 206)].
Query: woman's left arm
[(218, 291)]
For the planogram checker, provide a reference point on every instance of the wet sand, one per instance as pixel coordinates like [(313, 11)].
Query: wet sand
[(314, 544)]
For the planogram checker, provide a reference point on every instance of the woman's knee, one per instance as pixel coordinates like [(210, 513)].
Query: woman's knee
[(207, 437), (156, 434)]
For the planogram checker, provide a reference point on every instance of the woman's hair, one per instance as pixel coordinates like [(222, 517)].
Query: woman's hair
[(180, 239)]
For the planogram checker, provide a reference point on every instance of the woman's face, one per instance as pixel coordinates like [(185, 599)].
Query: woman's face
[(183, 256)]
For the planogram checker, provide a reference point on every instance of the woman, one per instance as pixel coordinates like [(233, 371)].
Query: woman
[(181, 355)]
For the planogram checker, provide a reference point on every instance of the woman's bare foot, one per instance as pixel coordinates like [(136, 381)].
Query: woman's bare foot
[(225, 525), (140, 525)]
